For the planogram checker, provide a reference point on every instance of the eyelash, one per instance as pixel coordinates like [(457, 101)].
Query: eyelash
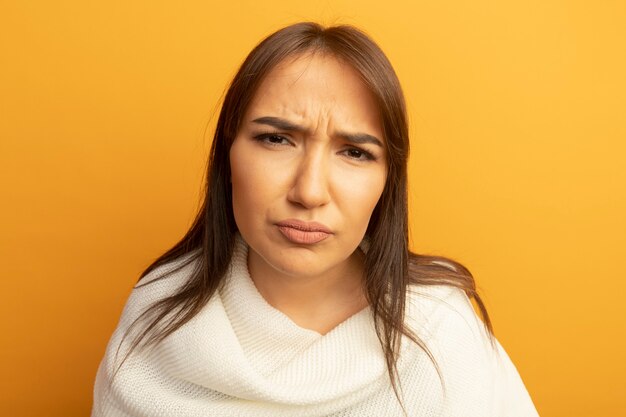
[(263, 136), (368, 156)]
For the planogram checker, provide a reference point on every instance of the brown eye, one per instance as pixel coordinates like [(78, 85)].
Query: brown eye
[(275, 139), (272, 139), (359, 154), (355, 153)]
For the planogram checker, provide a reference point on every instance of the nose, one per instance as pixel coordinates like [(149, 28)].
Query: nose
[(310, 183)]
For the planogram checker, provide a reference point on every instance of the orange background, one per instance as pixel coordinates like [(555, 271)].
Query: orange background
[(517, 170)]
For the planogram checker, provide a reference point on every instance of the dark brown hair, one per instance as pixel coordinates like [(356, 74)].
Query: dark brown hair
[(390, 267)]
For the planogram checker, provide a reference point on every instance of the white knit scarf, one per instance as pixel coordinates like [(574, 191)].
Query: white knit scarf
[(239, 356)]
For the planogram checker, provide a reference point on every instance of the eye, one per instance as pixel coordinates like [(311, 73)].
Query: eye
[(359, 154), (272, 139)]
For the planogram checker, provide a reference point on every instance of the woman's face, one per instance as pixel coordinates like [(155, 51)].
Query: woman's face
[(308, 167)]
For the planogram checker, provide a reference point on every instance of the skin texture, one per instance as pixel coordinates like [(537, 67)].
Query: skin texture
[(313, 174)]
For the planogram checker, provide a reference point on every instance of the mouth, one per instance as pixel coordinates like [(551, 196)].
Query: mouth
[(300, 232)]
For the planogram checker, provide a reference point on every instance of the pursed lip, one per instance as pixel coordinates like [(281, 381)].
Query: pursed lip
[(303, 233), (304, 226)]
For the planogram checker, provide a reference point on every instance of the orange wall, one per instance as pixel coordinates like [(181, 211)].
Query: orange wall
[(517, 171)]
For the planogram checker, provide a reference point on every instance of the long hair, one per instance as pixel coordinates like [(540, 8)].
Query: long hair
[(389, 267)]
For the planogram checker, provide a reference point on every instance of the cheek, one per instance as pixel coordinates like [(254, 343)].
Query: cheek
[(254, 182), (241, 185), (246, 174), (359, 194)]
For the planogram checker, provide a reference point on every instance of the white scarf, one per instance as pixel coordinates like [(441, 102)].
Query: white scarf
[(239, 356)]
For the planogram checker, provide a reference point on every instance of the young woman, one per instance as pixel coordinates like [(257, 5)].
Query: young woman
[(294, 293)]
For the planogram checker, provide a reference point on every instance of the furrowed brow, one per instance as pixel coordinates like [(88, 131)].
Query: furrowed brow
[(282, 124), (359, 138), (279, 123)]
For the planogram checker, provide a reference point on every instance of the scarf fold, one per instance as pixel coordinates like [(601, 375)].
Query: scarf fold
[(241, 346)]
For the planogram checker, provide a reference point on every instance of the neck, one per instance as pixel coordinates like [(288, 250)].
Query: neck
[(315, 302)]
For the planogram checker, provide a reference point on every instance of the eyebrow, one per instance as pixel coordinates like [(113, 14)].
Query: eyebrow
[(283, 124)]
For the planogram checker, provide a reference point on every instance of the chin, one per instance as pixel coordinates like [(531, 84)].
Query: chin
[(297, 260), (299, 265)]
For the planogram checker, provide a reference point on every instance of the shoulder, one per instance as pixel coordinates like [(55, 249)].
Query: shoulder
[(444, 319), (162, 282), (441, 308), (479, 378)]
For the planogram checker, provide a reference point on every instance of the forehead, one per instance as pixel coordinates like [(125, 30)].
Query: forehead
[(314, 87)]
